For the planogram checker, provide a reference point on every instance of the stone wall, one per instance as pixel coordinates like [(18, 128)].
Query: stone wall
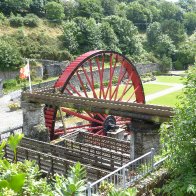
[(6, 75), (54, 69), (147, 68)]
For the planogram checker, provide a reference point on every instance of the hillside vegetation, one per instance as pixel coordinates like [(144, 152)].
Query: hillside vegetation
[(154, 31)]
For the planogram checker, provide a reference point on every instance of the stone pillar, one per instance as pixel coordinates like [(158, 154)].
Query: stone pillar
[(146, 136), (33, 121)]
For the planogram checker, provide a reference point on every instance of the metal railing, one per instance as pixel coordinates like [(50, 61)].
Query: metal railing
[(126, 175), (5, 134)]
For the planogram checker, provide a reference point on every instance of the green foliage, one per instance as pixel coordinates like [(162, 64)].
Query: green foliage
[(37, 7), (13, 143), (9, 83), (107, 189), (15, 6), (190, 22), (108, 37), (179, 141), (70, 32), (16, 21), (170, 10), (2, 145), (109, 7), (127, 34), (88, 35), (3, 19), (153, 32), (174, 29), (74, 184), (139, 15), (185, 55), (166, 63), (31, 20), (164, 46), (89, 8), (10, 58), (54, 11)]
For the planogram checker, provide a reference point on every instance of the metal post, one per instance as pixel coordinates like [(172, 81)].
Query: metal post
[(152, 157), (124, 179), (89, 188)]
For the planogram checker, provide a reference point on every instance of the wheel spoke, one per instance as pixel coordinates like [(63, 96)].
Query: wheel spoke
[(81, 116), (74, 89), (91, 73), (82, 84), (121, 75), (101, 88), (132, 94), (89, 82), (79, 126), (125, 89)]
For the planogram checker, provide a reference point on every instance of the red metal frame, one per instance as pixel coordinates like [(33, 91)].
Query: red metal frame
[(81, 69)]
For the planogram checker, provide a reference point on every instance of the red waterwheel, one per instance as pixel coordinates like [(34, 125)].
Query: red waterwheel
[(102, 75)]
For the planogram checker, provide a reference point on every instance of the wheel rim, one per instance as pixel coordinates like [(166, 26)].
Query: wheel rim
[(100, 75)]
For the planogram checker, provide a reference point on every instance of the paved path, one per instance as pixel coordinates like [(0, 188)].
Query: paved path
[(174, 88), (9, 119)]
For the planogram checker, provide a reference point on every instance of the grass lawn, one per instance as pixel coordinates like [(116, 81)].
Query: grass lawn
[(153, 88), (170, 79), (167, 100), (148, 89)]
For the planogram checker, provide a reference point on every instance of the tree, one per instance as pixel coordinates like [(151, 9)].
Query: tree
[(37, 7), (109, 7), (10, 58), (185, 55), (15, 6), (89, 8), (54, 11), (170, 10), (179, 141), (127, 33), (174, 29), (190, 22), (188, 5), (70, 8), (139, 15), (153, 32), (89, 35), (108, 36), (121, 10), (70, 33), (164, 46)]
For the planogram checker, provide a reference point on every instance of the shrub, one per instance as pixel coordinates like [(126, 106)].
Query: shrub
[(166, 63), (10, 57), (14, 106), (54, 11), (178, 139), (9, 83), (16, 21), (31, 20), (3, 19)]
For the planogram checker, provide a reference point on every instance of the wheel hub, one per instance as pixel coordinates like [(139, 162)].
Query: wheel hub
[(110, 124)]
